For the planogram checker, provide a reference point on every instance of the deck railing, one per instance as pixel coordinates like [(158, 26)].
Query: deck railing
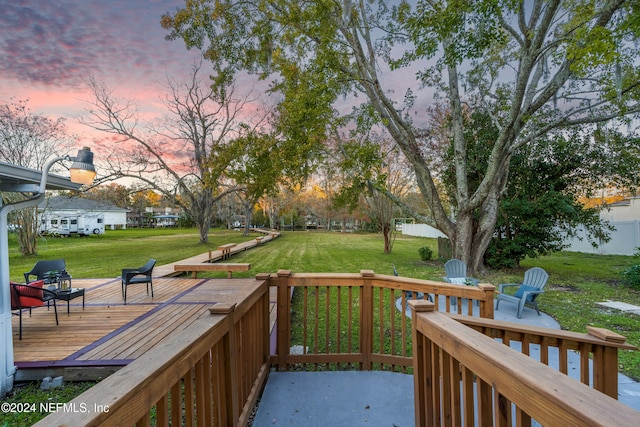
[(358, 321), (462, 377), (594, 361), (212, 372), (209, 374)]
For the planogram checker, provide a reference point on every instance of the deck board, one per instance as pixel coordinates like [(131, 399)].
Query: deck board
[(107, 331)]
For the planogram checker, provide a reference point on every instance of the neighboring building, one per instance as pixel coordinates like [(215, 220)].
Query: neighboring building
[(87, 214), (624, 210), (154, 217)]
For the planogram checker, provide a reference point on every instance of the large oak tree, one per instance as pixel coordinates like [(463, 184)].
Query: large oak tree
[(187, 157), (548, 64)]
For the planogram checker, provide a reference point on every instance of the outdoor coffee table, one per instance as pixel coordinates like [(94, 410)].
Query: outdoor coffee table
[(69, 294)]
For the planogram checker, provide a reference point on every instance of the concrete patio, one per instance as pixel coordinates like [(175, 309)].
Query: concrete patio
[(355, 398)]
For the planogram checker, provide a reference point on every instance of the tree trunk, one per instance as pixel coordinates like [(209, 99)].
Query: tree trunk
[(204, 233), (474, 231), (203, 216), (386, 232), (28, 230), (248, 210)]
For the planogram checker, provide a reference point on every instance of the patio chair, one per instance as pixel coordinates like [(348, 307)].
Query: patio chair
[(51, 271), (456, 273), (528, 291), (132, 276), (30, 296), (409, 294)]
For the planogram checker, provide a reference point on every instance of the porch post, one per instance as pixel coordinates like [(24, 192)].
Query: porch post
[(423, 378), (7, 367), (283, 322), (366, 319)]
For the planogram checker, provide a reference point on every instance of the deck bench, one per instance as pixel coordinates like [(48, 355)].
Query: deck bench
[(207, 266), (226, 250)]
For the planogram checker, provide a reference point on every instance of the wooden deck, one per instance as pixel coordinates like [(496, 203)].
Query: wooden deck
[(95, 342), (106, 335)]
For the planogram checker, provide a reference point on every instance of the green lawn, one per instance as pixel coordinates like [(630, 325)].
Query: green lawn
[(105, 255), (577, 281)]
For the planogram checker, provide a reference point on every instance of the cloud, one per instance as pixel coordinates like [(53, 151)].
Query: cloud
[(61, 43)]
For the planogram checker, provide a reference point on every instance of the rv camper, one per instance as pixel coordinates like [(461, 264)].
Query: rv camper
[(79, 225)]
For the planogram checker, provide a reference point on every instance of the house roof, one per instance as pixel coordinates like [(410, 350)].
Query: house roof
[(65, 203), (20, 179), (626, 202)]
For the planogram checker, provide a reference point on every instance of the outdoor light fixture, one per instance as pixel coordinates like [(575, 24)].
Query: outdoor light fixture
[(82, 169), (82, 172)]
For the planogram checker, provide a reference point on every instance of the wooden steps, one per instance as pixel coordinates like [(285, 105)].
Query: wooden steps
[(207, 266)]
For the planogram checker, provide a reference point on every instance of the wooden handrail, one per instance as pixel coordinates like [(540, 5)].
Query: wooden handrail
[(377, 332), (600, 353), (460, 374), (218, 365), (195, 375), (373, 348)]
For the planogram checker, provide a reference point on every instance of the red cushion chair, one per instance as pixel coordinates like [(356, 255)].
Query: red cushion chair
[(30, 296)]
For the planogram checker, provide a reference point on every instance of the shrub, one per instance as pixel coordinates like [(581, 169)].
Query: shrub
[(425, 253), (632, 276)]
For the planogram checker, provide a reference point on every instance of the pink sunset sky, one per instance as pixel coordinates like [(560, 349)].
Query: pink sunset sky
[(48, 50)]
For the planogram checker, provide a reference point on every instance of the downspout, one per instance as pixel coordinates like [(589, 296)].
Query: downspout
[(8, 368)]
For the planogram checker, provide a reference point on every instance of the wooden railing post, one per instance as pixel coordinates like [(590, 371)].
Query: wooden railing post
[(605, 370), (605, 361), (284, 319), (366, 319), (230, 350), (486, 306), (422, 372), (266, 349)]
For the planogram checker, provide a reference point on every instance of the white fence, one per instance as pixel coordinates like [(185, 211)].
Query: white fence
[(625, 239), (421, 230)]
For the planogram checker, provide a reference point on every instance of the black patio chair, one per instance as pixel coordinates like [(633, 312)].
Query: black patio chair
[(51, 271), (131, 276)]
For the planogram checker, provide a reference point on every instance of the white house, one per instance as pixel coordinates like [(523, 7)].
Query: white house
[(109, 216), (624, 210)]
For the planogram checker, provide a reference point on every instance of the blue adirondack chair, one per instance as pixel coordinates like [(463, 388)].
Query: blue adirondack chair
[(456, 273), (409, 294), (528, 291)]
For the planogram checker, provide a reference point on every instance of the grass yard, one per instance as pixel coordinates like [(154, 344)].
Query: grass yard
[(577, 281), (106, 255)]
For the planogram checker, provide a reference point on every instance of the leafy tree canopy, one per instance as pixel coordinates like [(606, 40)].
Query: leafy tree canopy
[(534, 67)]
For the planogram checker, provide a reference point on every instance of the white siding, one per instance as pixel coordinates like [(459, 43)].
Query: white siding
[(628, 210), (115, 218)]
